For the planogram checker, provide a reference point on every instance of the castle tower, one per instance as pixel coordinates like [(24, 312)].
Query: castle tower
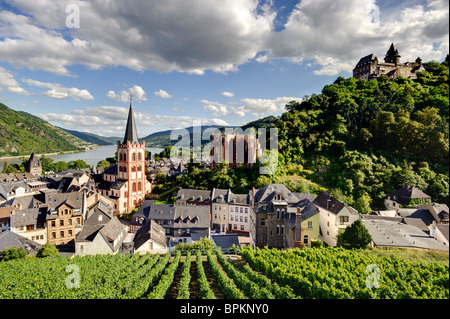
[(392, 55), (131, 165)]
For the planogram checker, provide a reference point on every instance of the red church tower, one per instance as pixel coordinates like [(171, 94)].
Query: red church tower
[(131, 165)]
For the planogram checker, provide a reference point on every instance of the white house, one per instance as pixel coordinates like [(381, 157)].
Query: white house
[(334, 216)]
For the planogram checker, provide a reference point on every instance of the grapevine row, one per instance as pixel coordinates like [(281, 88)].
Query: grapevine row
[(166, 279), (205, 290), (226, 285), (251, 289), (183, 289)]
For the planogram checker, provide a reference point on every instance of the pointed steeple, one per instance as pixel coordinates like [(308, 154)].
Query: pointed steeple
[(130, 131)]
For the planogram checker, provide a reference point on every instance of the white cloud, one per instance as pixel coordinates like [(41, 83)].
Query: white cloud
[(111, 120), (198, 35), (124, 96), (335, 35), (174, 35), (57, 91), (268, 105), (219, 109), (9, 83), (163, 94), (228, 94)]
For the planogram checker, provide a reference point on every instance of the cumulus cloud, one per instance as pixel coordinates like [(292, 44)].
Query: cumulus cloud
[(228, 94), (198, 35), (268, 105), (219, 109), (136, 91), (111, 120), (9, 83), (334, 35), (163, 94), (57, 91)]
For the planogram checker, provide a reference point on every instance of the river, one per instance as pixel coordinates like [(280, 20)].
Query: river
[(90, 157)]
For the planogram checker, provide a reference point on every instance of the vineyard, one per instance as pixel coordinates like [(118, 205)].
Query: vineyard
[(260, 274)]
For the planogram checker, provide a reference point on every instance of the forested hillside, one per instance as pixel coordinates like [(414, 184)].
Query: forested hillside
[(22, 133), (365, 139)]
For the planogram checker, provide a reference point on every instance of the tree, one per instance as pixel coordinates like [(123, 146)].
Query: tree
[(355, 236), (362, 204), (47, 250), (13, 253), (103, 164)]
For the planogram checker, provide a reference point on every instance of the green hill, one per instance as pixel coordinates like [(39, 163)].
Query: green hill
[(93, 138), (22, 133)]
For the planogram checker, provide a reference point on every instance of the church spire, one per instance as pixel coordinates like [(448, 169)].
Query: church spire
[(130, 131)]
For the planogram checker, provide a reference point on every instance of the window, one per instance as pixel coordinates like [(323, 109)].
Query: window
[(240, 209), (234, 226), (139, 186), (139, 156), (262, 222), (61, 223), (278, 229), (242, 227), (310, 225), (246, 210), (134, 187), (231, 217), (305, 239), (53, 223), (343, 219), (53, 235), (78, 221), (282, 229), (246, 219), (70, 232), (133, 157), (61, 233)]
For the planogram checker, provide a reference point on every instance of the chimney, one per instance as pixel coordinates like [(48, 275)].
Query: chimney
[(433, 229)]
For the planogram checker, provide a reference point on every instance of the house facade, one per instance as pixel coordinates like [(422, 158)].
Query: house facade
[(334, 216)]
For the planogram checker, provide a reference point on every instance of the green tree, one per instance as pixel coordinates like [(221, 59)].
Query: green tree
[(13, 253), (103, 164), (47, 250), (355, 236), (362, 204)]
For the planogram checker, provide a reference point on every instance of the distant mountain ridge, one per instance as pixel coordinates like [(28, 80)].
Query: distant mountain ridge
[(22, 133), (93, 138)]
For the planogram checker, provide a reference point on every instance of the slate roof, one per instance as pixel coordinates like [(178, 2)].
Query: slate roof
[(150, 230), (131, 131), (30, 216), (365, 60), (328, 202), (392, 233), (10, 239), (194, 195), (443, 229), (225, 241), (404, 194), (423, 214), (266, 193)]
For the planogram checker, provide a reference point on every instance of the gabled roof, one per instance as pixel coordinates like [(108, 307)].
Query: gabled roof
[(30, 216), (198, 195), (150, 230), (328, 202), (404, 194), (266, 194)]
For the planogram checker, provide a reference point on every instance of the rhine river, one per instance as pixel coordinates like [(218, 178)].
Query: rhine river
[(90, 157)]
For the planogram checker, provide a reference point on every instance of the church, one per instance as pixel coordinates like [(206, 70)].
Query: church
[(125, 182)]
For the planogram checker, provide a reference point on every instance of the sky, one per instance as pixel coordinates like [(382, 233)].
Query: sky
[(220, 62)]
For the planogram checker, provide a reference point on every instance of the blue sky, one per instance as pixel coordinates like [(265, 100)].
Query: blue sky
[(224, 62)]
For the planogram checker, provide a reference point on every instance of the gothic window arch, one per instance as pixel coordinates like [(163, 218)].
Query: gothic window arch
[(139, 156), (134, 187), (133, 157), (139, 186)]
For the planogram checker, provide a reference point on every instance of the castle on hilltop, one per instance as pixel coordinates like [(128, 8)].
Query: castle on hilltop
[(369, 67)]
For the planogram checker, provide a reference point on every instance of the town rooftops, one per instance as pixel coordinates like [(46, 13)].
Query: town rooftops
[(404, 194)]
